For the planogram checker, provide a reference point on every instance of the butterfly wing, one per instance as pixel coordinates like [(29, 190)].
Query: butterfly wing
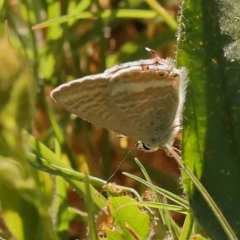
[(90, 99), (149, 99), (136, 99)]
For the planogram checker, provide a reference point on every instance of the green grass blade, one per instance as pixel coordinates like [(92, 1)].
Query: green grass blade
[(157, 205), (59, 209), (45, 153), (90, 210), (163, 14), (106, 14), (164, 192), (164, 212), (187, 227), (209, 200)]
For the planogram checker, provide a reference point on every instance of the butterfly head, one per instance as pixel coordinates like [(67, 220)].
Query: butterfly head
[(146, 148)]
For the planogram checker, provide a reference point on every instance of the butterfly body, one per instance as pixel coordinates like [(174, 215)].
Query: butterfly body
[(141, 99)]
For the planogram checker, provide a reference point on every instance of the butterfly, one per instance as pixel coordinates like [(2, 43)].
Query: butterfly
[(142, 100)]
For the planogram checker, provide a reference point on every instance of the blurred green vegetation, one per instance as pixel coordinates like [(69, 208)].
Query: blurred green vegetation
[(79, 38), (46, 153)]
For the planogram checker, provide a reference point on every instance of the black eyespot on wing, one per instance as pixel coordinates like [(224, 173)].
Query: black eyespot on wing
[(162, 74)]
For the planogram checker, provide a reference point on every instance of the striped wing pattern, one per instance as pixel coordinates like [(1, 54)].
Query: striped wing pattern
[(138, 99)]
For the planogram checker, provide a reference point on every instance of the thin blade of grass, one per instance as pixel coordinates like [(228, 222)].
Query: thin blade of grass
[(164, 192), (52, 159), (157, 205), (187, 227), (90, 209), (106, 14), (164, 213), (215, 209), (170, 21)]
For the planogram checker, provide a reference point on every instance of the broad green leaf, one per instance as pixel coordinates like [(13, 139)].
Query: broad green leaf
[(128, 220), (211, 125)]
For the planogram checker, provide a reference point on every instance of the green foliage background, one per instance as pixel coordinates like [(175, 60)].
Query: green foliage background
[(46, 43), (92, 35)]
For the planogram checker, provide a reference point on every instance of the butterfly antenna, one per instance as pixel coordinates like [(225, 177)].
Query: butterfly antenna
[(119, 165), (151, 51)]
